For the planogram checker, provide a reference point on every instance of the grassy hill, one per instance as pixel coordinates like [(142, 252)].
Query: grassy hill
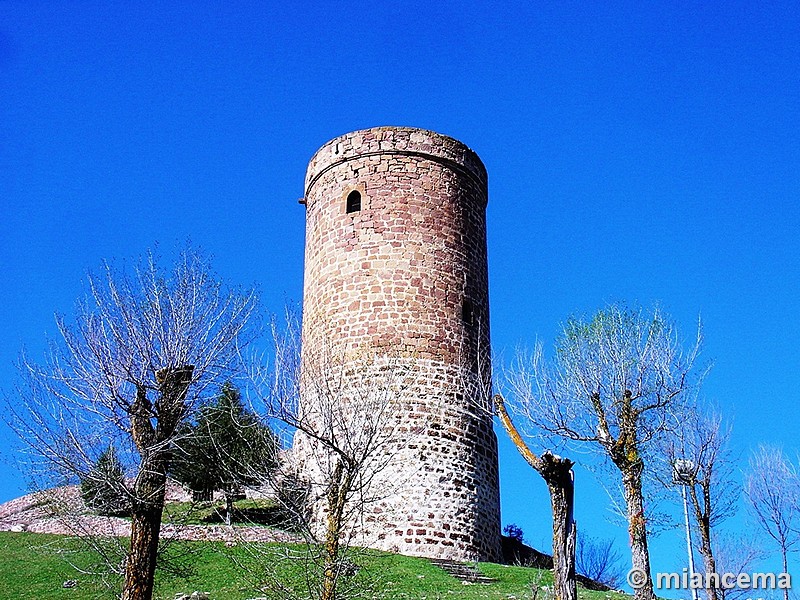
[(35, 566)]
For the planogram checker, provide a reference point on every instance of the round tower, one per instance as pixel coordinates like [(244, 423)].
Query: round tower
[(396, 270)]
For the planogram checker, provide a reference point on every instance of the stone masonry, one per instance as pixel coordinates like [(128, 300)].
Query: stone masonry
[(396, 274)]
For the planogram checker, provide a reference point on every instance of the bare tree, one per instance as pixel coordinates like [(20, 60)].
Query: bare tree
[(599, 560), (344, 422), (772, 488), (137, 361), (701, 460), (613, 384), (736, 553), (557, 474)]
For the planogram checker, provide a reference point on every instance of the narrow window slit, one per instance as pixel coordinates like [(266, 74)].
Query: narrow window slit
[(467, 312)]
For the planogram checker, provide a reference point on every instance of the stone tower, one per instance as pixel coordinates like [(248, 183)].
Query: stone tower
[(395, 266)]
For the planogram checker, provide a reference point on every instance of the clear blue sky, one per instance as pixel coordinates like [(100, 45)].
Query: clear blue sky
[(636, 151)]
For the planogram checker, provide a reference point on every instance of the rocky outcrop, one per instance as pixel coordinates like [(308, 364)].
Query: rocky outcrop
[(61, 511)]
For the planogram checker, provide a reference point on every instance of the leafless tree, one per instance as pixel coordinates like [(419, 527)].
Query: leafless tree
[(344, 417), (613, 384), (557, 474), (736, 553), (772, 488), (700, 459), (599, 560), (145, 346)]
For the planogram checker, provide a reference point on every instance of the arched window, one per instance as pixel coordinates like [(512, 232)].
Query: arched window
[(353, 201)]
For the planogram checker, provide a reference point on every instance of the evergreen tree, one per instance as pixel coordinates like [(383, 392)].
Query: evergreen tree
[(103, 488), (227, 448)]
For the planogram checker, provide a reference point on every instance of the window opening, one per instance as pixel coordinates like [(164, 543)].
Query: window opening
[(353, 201), (467, 312)]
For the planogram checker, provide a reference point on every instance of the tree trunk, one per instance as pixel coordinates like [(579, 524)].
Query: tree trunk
[(330, 572), (140, 566), (557, 472), (153, 445), (704, 526), (228, 507), (710, 565), (785, 570), (637, 529), (338, 489)]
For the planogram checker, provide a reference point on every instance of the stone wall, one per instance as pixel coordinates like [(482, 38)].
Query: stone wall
[(404, 278)]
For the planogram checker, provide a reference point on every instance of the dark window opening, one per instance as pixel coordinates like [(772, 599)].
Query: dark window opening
[(467, 312), (353, 201)]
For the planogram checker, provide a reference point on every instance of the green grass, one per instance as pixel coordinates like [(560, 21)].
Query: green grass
[(35, 566), (246, 511), (30, 567)]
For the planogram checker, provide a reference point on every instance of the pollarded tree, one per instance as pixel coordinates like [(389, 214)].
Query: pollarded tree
[(560, 479), (136, 362), (613, 384), (227, 448)]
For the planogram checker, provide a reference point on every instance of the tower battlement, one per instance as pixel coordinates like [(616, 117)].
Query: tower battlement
[(395, 140)]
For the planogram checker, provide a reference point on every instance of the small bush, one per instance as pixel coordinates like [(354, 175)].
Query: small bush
[(514, 532), (292, 498), (103, 489)]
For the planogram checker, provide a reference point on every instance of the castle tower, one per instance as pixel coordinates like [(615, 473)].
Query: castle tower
[(395, 266)]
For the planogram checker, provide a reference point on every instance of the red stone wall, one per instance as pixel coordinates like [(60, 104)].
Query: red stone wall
[(406, 277)]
